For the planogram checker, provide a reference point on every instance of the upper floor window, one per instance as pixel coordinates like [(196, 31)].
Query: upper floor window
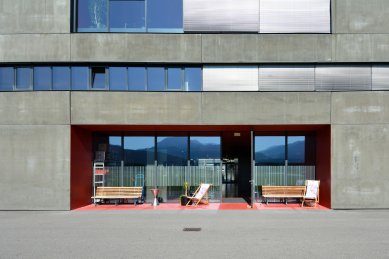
[(129, 16)]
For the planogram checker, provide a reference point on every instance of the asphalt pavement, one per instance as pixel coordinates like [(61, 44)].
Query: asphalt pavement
[(216, 234)]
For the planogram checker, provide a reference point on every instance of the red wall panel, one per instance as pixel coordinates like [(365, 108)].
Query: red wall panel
[(323, 164)]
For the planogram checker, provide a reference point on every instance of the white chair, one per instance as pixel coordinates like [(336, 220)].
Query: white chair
[(311, 191)]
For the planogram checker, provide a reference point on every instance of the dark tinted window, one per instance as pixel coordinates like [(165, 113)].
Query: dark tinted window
[(98, 78), (61, 78), (137, 78), (138, 151), (6, 78), (42, 78)]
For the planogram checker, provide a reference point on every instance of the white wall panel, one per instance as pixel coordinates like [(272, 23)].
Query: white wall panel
[(286, 78), (295, 16), (221, 15), (342, 78), (229, 78), (380, 77)]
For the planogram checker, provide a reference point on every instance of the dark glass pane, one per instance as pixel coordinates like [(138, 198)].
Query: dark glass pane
[(118, 78), (172, 151), (156, 79), (61, 78), (204, 150), (174, 79), (193, 79), (98, 78), (164, 16), (92, 15), (127, 15), (138, 151), (23, 78), (270, 150), (6, 78), (114, 154), (296, 150), (42, 78), (137, 78), (80, 78)]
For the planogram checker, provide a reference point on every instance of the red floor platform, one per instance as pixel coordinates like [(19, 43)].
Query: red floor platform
[(211, 206)]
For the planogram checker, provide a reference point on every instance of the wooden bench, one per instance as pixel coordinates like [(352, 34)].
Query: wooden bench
[(283, 192), (119, 193)]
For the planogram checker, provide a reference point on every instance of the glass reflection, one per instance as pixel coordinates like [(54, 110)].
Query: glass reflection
[(165, 16), (193, 79), (156, 78), (138, 151), (42, 78), (23, 78), (118, 78), (6, 78), (137, 78), (80, 78), (61, 78), (269, 150), (172, 150), (296, 150), (127, 16), (92, 15), (174, 79), (204, 150)]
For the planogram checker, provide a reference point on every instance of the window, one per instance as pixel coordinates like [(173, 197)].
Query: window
[(118, 78), (42, 78), (92, 15), (61, 78), (139, 151), (7, 78), (80, 78), (172, 151), (193, 79), (174, 79), (164, 16), (98, 78), (23, 78), (137, 78), (156, 79), (129, 16)]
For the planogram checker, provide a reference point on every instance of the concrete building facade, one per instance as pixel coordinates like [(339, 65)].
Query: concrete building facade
[(46, 137)]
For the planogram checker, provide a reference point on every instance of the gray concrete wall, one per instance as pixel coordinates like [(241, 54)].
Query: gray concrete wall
[(360, 150), (35, 151)]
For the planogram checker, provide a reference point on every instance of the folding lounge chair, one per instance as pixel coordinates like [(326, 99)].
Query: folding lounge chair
[(311, 191), (199, 195)]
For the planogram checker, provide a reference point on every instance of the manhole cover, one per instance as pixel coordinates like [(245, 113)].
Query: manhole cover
[(192, 229)]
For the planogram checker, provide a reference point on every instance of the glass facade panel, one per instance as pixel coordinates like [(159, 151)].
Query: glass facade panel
[(156, 79), (137, 78), (61, 78), (80, 78), (270, 150), (172, 151), (165, 16), (7, 78), (118, 78), (193, 79), (205, 150), (98, 78), (23, 78), (127, 16), (139, 151), (42, 78), (92, 15), (174, 78), (296, 150)]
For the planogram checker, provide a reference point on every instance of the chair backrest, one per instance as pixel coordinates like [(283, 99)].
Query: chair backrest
[(312, 189), (202, 191)]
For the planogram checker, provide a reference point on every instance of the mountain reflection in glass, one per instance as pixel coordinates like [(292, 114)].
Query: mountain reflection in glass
[(296, 150), (172, 151), (204, 150), (270, 150), (138, 151)]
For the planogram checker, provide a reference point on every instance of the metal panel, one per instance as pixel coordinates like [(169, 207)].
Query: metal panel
[(295, 16), (342, 78), (286, 78), (380, 77), (221, 15), (229, 78)]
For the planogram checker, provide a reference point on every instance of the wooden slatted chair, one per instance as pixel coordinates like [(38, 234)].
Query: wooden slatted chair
[(311, 192), (200, 194)]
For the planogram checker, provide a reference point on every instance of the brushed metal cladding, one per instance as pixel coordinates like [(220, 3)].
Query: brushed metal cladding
[(343, 78), (297, 16), (221, 15), (286, 78), (380, 77), (230, 78)]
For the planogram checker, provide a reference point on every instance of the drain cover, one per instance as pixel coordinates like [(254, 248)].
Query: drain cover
[(191, 229)]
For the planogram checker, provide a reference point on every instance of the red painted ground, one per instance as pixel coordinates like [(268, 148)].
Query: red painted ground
[(211, 206)]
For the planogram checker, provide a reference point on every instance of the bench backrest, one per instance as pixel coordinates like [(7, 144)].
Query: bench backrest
[(283, 190), (119, 191)]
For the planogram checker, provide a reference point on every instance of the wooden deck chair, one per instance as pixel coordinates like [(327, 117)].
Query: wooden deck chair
[(199, 195), (311, 191)]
